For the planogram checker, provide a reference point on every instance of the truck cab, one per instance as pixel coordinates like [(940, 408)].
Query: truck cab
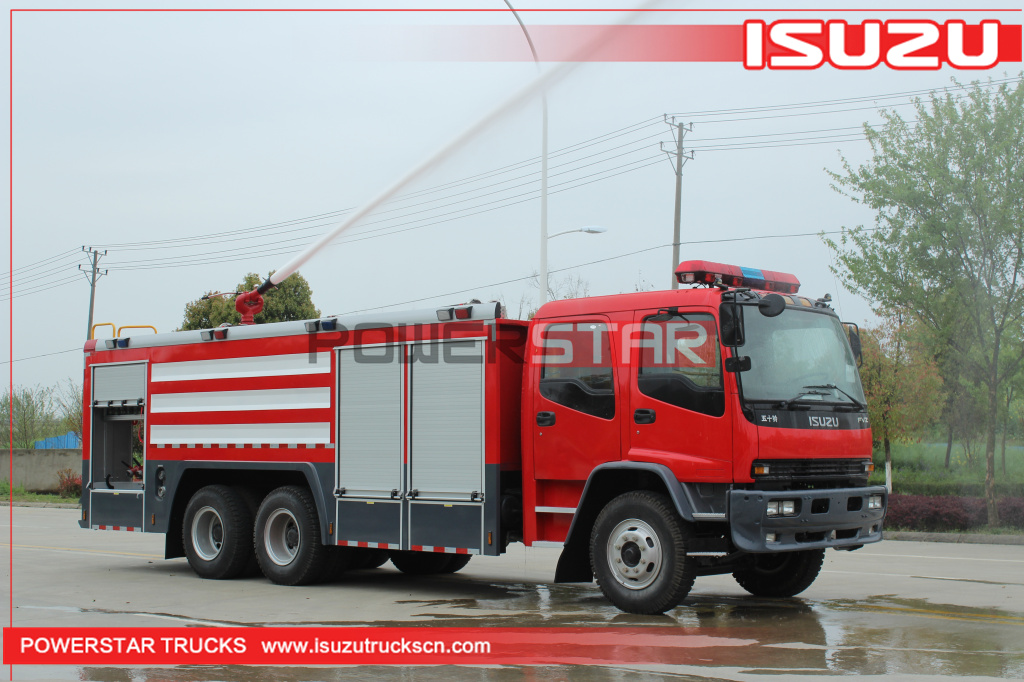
[(718, 429)]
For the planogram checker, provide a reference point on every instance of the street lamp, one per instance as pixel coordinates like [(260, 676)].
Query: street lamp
[(589, 229), (543, 164)]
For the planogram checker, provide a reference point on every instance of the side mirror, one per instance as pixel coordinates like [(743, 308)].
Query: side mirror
[(740, 364), (771, 305), (853, 334), (732, 324)]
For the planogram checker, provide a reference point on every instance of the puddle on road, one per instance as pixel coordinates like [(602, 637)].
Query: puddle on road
[(881, 635)]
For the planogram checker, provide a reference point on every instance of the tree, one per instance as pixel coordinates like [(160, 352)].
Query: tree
[(901, 383), (67, 397), (292, 299), (34, 416), (948, 241)]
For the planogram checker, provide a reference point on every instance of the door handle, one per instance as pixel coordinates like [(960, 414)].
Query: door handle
[(644, 416), (545, 419)]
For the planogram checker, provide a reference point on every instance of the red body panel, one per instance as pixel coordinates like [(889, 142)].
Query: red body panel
[(502, 388)]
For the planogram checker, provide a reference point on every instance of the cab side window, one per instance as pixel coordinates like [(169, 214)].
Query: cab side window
[(681, 363), (576, 367)]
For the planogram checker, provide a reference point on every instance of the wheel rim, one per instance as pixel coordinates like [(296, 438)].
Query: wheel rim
[(634, 554), (282, 537), (207, 533)]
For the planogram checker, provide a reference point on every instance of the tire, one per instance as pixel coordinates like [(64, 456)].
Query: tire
[(420, 563), (287, 538), (780, 575), (638, 553), (217, 532), (338, 560), (363, 557), (456, 562), (252, 501)]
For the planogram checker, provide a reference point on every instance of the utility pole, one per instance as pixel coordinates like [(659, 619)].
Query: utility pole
[(92, 274), (678, 132)]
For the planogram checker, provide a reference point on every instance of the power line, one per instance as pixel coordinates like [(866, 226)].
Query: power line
[(529, 196), (841, 101), (603, 260), (40, 283), (338, 213), (278, 247), (44, 355)]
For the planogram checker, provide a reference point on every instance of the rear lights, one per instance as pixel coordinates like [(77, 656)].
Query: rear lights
[(220, 334), (458, 313)]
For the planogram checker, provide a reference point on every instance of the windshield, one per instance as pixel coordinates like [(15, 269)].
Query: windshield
[(798, 355)]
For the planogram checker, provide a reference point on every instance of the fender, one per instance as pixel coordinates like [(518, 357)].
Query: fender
[(605, 482), (230, 473)]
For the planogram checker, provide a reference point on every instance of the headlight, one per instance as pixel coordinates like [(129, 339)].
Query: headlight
[(782, 508), (875, 502)]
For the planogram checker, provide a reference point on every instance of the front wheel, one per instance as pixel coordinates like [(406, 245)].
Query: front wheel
[(638, 553), (780, 575), (287, 538)]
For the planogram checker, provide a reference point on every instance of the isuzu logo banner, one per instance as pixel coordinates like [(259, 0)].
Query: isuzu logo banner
[(793, 43)]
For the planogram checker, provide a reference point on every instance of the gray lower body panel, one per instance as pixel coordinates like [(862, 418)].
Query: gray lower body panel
[(374, 522), (439, 524), (121, 510), (825, 518)]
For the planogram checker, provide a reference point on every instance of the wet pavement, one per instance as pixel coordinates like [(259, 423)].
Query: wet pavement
[(902, 610)]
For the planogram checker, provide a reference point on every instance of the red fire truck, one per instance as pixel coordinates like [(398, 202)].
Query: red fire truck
[(653, 437)]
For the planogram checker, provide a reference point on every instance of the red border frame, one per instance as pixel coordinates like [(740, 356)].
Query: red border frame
[(10, 83)]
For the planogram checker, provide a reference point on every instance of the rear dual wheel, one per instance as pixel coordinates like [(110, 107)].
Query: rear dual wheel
[(287, 539), (217, 532)]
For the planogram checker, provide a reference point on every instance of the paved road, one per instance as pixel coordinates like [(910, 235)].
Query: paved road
[(903, 610)]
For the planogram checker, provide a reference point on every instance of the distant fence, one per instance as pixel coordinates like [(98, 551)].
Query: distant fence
[(66, 442)]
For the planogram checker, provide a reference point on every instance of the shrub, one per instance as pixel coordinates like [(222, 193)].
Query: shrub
[(949, 513), (69, 483), (1011, 512)]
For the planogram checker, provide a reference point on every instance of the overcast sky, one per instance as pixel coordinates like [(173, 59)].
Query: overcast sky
[(195, 147)]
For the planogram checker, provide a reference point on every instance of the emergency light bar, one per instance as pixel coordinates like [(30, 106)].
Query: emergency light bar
[(706, 272)]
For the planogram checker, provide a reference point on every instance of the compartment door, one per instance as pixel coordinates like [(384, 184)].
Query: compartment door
[(370, 418), (446, 457), (370, 442)]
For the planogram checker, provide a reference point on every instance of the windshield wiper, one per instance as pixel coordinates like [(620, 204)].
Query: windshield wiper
[(785, 404), (836, 388)]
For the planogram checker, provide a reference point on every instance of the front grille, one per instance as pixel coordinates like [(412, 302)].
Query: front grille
[(808, 470)]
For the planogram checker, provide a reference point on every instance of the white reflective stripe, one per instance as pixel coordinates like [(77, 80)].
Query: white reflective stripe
[(199, 434), (555, 510), (233, 368), (548, 543), (225, 401)]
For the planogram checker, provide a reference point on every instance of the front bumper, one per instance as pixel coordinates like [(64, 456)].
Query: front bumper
[(826, 518)]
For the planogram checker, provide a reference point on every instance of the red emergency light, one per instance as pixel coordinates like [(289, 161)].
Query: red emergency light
[(706, 272)]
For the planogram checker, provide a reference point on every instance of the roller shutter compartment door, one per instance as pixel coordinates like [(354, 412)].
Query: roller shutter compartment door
[(370, 422)]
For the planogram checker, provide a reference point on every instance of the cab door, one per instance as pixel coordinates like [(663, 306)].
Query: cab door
[(574, 427), (677, 409)]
